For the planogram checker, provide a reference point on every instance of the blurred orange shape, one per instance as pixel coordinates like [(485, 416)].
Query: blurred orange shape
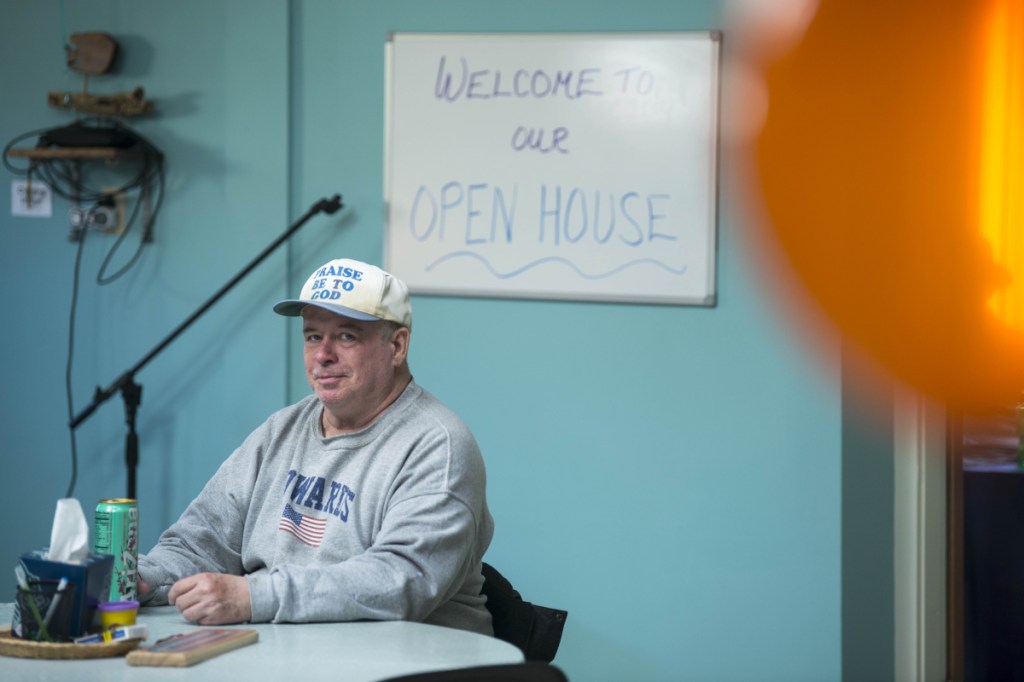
[(1002, 163), (890, 166)]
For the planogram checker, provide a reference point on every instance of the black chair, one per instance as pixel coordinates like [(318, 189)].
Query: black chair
[(516, 672), (535, 630)]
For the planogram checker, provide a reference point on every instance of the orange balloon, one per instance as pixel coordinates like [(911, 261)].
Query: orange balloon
[(870, 163)]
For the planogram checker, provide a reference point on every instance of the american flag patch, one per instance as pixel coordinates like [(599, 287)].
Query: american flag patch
[(305, 528)]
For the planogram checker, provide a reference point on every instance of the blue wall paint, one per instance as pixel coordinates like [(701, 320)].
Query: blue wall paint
[(670, 475), (226, 146)]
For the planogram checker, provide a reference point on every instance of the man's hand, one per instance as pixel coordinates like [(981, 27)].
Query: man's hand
[(212, 598)]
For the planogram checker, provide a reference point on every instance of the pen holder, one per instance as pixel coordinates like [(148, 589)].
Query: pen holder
[(91, 579), (43, 614)]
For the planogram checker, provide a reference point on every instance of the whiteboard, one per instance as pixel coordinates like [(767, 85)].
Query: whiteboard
[(577, 166)]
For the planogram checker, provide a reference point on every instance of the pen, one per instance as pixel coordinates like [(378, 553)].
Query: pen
[(136, 631), (53, 602), (19, 573)]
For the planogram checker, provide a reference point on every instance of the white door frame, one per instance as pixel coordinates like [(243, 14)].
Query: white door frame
[(919, 538)]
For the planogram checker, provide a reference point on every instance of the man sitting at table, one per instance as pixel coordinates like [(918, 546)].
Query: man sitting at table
[(363, 501)]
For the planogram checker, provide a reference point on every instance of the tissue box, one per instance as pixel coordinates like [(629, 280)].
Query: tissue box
[(90, 578)]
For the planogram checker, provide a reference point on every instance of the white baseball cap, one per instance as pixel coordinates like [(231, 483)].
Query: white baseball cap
[(353, 289)]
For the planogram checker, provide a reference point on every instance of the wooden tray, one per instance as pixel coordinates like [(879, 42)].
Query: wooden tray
[(23, 648), (192, 647)]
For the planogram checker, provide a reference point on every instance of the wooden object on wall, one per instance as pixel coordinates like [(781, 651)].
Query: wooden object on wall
[(91, 53), (118, 104)]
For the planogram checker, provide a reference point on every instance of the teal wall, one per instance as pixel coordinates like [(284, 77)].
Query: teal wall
[(673, 476)]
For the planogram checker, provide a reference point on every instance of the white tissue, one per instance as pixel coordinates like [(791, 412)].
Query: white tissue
[(69, 538)]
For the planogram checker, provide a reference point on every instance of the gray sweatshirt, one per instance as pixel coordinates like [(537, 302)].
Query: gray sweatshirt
[(389, 523)]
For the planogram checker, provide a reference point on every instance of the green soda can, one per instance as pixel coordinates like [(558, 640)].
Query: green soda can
[(116, 531)]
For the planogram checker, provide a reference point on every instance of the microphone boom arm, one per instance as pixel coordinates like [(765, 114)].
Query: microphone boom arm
[(132, 392)]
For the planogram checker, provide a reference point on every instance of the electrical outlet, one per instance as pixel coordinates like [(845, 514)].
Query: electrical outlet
[(115, 217), (31, 199)]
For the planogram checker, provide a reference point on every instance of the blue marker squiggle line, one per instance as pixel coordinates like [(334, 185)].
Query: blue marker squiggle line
[(554, 259)]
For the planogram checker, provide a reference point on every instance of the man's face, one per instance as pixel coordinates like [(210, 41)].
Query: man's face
[(350, 364)]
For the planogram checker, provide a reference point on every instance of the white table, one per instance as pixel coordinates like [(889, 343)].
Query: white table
[(353, 652)]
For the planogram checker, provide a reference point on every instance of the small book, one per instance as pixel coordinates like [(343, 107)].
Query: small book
[(188, 648)]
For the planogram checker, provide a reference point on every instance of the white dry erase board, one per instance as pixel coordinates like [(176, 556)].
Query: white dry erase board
[(575, 166)]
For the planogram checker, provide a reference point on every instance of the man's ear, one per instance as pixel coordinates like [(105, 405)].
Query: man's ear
[(400, 346)]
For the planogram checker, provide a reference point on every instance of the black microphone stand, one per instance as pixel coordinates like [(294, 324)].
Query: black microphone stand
[(132, 392)]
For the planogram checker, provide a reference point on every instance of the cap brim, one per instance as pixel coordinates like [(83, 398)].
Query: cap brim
[(294, 308)]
